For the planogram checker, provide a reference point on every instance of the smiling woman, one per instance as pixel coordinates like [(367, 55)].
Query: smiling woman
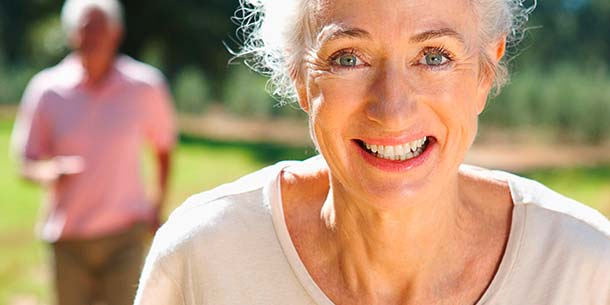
[(387, 214)]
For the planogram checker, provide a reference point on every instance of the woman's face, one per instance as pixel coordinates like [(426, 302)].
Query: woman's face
[(393, 91)]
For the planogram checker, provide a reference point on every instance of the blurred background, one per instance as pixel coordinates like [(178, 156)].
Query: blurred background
[(551, 123)]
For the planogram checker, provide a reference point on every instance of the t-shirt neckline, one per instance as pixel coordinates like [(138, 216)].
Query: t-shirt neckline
[(273, 191)]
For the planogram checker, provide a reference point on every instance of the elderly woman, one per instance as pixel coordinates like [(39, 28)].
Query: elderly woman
[(387, 214)]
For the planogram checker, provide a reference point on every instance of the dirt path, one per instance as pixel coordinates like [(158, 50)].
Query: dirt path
[(521, 158), (503, 153), (512, 153)]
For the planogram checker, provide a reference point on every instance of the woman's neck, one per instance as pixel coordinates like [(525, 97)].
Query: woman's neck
[(399, 247), (445, 245)]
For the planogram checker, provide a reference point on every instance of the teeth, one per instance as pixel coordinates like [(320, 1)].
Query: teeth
[(398, 152), (389, 151)]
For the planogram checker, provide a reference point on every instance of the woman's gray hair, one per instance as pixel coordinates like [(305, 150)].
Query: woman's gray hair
[(276, 34), (73, 10)]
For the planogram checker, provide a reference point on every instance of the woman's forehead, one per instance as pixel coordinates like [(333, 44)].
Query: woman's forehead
[(395, 16)]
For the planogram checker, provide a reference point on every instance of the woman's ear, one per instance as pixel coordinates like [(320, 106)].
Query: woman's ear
[(500, 48), (301, 90), (496, 51)]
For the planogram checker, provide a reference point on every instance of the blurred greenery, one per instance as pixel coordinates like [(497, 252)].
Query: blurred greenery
[(571, 101), (13, 79), (560, 78), (192, 91), (243, 95), (560, 82), (22, 255), (199, 164), (590, 184)]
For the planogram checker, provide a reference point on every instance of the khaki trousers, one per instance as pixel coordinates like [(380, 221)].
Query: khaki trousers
[(99, 271)]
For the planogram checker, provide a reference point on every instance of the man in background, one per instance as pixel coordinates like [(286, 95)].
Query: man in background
[(80, 132)]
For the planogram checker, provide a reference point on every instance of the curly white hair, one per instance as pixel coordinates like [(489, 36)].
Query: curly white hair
[(275, 34)]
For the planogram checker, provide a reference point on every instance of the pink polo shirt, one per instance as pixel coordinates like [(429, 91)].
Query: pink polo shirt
[(107, 127)]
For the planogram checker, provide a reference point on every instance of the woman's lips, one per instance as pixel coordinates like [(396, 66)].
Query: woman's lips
[(402, 152), (398, 157)]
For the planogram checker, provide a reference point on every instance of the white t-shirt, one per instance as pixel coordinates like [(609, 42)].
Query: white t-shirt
[(230, 245)]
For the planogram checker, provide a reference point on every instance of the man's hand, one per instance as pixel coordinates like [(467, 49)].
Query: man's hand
[(163, 168), (155, 218), (49, 171)]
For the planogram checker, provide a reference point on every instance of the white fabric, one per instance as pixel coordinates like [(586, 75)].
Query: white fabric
[(230, 245)]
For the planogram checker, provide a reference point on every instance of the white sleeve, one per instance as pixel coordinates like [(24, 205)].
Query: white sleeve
[(156, 286)]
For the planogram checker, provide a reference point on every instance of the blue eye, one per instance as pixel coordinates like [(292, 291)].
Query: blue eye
[(347, 60), (434, 58)]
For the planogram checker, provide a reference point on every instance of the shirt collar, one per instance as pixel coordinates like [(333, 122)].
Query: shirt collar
[(74, 73)]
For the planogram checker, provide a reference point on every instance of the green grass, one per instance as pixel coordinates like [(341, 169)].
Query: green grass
[(198, 165), (590, 185), (21, 255)]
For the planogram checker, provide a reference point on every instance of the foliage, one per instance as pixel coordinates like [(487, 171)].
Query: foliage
[(245, 94), (47, 41), (560, 69), (191, 90), (573, 102), (13, 80), (574, 31)]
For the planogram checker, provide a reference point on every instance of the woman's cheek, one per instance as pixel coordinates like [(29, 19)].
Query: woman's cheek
[(343, 92)]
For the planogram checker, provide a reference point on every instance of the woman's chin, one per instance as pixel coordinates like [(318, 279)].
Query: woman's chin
[(395, 195), (391, 193), (393, 183)]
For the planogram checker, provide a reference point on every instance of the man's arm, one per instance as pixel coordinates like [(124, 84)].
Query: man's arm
[(161, 132), (163, 158), (31, 139)]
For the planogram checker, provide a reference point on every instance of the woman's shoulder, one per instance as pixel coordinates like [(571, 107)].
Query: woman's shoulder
[(225, 231), (552, 221), (544, 203), (229, 212), (557, 247)]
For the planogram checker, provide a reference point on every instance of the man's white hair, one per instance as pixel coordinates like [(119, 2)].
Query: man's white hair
[(74, 10)]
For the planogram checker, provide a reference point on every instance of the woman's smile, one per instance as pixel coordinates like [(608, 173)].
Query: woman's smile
[(397, 152), (395, 156)]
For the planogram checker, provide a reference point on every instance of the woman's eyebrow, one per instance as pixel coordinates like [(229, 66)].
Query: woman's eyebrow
[(432, 34), (334, 31)]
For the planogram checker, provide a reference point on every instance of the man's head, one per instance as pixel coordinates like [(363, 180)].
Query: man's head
[(93, 27)]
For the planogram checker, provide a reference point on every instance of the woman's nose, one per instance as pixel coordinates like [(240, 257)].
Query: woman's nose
[(391, 98)]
